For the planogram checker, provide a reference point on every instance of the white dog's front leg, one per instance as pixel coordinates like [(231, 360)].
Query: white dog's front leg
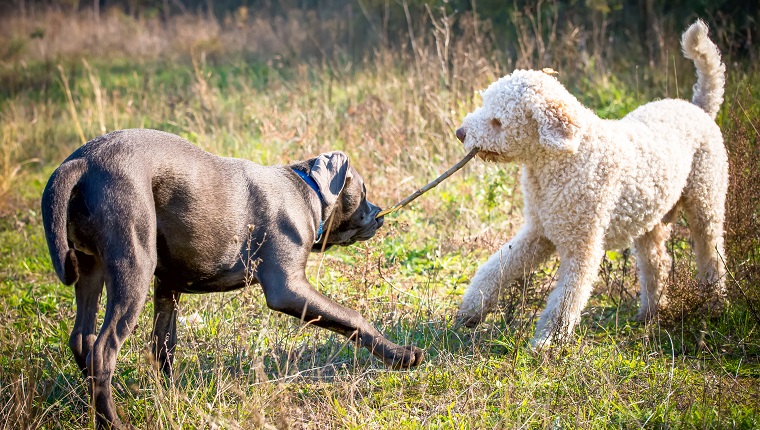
[(577, 273), (516, 258)]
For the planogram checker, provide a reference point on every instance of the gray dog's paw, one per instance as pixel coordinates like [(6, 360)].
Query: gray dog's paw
[(406, 357)]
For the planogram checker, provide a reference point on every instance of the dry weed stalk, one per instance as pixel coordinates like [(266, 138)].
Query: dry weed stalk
[(72, 107), (10, 165), (96, 88)]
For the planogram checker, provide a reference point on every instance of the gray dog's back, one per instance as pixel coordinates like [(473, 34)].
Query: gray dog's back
[(201, 203)]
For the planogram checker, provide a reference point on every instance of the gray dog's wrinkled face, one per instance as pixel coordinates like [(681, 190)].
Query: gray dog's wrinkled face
[(354, 217)]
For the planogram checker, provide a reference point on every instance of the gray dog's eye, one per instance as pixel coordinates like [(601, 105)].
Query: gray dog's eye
[(496, 123)]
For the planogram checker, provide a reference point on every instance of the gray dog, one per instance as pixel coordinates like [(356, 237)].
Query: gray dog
[(137, 203)]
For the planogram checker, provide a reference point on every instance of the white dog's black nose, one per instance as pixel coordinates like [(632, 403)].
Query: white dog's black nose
[(461, 134)]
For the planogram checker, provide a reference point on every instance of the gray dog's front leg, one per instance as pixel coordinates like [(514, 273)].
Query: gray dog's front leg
[(295, 296), (164, 337)]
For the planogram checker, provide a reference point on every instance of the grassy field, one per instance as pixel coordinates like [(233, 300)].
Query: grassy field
[(239, 365)]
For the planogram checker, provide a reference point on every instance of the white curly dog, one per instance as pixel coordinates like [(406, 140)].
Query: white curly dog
[(592, 184)]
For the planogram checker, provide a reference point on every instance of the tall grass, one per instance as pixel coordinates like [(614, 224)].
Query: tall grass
[(248, 89)]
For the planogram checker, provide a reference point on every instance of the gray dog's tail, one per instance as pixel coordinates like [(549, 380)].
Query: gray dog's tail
[(711, 73), (55, 208)]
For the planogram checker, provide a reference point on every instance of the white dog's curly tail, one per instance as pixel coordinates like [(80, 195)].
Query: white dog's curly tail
[(711, 73)]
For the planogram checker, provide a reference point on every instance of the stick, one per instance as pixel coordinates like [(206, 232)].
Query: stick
[(429, 186)]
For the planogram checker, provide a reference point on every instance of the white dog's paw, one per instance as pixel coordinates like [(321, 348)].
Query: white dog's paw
[(645, 314), (547, 339), (468, 319), (541, 344)]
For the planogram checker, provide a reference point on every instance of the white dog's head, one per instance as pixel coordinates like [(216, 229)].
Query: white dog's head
[(525, 113)]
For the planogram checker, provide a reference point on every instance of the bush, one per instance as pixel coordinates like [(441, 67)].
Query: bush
[(740, 130)]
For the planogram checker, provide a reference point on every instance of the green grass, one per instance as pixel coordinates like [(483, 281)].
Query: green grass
[(248, 367)]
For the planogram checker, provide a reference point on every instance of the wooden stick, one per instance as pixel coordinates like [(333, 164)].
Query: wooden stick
[(429, 186)]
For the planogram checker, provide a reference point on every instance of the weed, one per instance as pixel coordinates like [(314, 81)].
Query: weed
[(743, 205)]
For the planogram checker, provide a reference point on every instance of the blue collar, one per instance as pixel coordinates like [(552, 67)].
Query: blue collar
[(313, 184)]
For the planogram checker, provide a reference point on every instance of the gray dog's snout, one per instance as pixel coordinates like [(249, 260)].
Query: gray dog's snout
[(373, 213), (461, 134)]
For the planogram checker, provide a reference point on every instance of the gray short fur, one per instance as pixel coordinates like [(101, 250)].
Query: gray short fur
[(134, 204)]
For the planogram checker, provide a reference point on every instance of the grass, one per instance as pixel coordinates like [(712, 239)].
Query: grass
[(394, 114)]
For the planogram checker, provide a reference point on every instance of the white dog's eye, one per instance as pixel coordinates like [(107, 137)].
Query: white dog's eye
[(496, 123)]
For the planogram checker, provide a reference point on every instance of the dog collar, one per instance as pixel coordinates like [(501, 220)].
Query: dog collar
[(313, 184)]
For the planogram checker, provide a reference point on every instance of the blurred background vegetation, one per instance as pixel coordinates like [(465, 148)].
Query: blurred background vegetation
[(355, 28)]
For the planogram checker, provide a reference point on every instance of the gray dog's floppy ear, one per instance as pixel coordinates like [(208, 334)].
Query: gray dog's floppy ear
[(330, 171), (559, 124)]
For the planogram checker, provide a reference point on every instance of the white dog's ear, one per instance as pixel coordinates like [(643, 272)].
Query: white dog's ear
[(559, 125), (330, 171)]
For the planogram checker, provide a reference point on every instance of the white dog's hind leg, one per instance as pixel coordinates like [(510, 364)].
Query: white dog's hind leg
[(654, 265), (706, 227), (704, 203), (516, 258), (577, 273)]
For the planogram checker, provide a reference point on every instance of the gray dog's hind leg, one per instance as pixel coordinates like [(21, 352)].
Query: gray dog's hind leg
[(164, 337), (127, 288), (88, 289), (129, 254)]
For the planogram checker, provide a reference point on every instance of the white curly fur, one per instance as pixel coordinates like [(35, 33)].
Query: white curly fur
[(592, 184)]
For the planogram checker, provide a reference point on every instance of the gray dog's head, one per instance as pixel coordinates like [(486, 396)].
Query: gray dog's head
[(345, 197)]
